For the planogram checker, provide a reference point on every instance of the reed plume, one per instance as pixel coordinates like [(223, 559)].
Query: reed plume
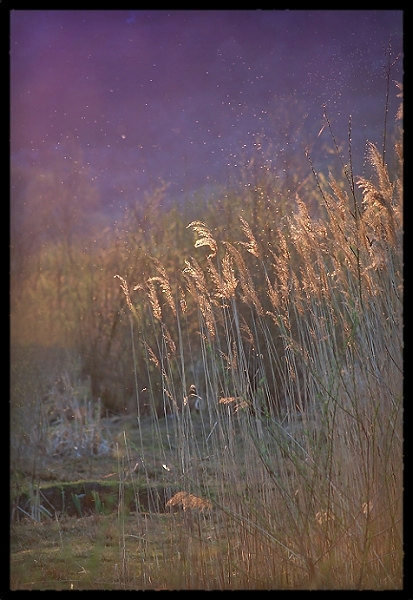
[(205, 239)]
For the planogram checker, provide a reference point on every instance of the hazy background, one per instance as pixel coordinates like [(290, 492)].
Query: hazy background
[(134, 98)]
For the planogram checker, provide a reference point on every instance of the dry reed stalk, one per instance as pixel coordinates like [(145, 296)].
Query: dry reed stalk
[(194, 273), (165, 285), (251, 245), (250, 294), (225, 281), (206, 238), (153, 299)]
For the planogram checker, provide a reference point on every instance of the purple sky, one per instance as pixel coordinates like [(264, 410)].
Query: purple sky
[(180, 96)]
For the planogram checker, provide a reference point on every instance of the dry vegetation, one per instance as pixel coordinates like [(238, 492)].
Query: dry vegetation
[(291, 475)]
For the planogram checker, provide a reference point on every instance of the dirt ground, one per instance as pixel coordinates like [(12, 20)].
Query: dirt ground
[(99, 522)]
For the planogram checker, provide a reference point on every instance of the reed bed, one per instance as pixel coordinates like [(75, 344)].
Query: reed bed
[(283, 467), (296, 348)]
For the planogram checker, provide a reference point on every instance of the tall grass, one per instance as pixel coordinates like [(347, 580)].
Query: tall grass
[(297, 453)]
